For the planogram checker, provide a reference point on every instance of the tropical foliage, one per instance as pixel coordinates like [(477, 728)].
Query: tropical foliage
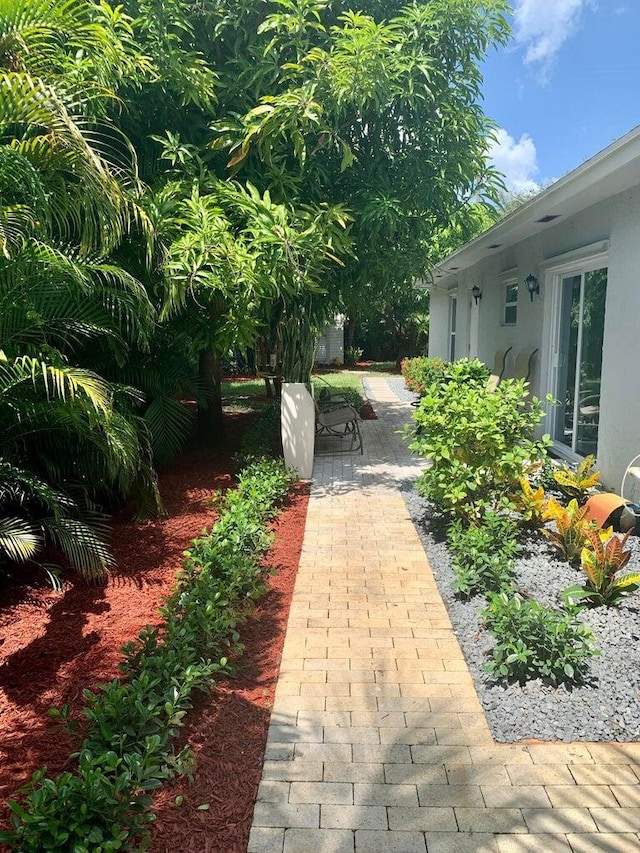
[(105, 803), (68, 195), (572, 527), (578, 483), (603, 558), (478, 440), (533, 641), (179, 179), (421, 372)]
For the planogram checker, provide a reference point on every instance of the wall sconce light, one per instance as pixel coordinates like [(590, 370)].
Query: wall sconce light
[(476, 293), (533, 286)]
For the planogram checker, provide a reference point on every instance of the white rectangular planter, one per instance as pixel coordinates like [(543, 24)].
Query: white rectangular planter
[(298, 428)]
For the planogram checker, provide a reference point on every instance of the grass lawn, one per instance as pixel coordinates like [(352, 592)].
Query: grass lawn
[(244, 395), (377, 367), (249, 394), (241, 389), (339, 381)]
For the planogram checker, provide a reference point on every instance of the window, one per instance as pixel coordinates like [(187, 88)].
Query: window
[(510, 316)]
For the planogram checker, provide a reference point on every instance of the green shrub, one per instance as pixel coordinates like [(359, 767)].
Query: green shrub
[(350, 396), (352, 355), (262, 436), (419, 373), (545, 474), (104, 805), (478, 441), (465, 371), (533, 641), (330, 386), (483, 555)]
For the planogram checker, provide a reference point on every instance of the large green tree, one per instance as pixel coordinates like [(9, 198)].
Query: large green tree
[(377, 109), (313, 150)]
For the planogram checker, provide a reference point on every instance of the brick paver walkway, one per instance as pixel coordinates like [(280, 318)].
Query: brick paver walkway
[(377, 739)]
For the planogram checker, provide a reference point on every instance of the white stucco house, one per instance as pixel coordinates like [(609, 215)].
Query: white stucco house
[(330, 347), (554, 290)]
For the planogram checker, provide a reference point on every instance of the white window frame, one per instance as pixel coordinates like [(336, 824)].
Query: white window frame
[(578, 261), (508, 278), (507, 282)]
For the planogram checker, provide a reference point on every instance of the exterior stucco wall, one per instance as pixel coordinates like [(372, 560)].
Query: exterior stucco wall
[(615, 220), (438, 322), (620, 399), (330, 347)]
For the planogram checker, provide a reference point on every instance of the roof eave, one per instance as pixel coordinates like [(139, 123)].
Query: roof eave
[(590, 181)]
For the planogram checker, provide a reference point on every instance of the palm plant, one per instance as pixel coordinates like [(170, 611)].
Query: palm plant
[(167, 376), (68, 194), (41, 408)]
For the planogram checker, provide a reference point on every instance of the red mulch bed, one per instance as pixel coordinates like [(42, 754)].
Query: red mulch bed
[(54, 645)]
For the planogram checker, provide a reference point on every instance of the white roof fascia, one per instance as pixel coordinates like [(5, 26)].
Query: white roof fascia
[(611, 171)]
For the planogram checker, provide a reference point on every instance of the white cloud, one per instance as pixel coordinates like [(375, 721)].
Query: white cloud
[(516, 160), (543, 26)]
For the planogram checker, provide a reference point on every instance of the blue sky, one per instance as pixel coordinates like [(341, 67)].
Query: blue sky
[(564, 88)]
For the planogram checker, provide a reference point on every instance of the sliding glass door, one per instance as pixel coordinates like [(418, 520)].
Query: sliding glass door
[(580, 337)]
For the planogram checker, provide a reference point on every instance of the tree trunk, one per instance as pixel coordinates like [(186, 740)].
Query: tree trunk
[(210, 421), (350, 337), (398, 340)]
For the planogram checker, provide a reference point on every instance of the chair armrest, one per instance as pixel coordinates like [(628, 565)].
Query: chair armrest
[(333, 402), (333, 417)]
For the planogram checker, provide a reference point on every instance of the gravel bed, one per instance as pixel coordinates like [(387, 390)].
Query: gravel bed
[(606, 707)]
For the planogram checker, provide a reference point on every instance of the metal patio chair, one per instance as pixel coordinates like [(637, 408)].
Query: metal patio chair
[(339, 421)]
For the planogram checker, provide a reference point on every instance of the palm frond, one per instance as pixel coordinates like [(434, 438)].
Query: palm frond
[(21, 489), (82, 543), (57, 381), (20, 539), (87, 200), (170, 424)]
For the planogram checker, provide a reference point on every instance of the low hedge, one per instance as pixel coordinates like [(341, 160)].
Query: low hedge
[(105, 804), (419, 373)]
